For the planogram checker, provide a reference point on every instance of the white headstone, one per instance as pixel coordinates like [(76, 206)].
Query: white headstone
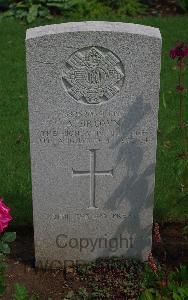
[(93, 106)]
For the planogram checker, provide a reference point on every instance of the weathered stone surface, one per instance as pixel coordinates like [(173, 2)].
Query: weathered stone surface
[(93, 104)]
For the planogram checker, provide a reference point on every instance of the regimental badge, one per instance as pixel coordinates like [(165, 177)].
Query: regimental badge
[(93, 75)]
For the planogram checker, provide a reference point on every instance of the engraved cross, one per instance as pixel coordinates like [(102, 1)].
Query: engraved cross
[(92, 173)]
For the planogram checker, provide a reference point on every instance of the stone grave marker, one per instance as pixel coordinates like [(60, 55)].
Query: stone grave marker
[(93, 108)]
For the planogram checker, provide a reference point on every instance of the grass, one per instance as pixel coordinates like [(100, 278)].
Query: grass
[(15, 179)]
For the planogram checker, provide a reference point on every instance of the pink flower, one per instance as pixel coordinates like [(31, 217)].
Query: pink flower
[(152, 263), (157, 236), (180, 51), (5, 216)]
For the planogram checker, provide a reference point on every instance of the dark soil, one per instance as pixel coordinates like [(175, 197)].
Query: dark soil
[(56, 284), (164, 8)]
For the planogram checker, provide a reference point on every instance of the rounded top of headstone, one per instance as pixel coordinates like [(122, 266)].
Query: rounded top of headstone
[(102, 26)]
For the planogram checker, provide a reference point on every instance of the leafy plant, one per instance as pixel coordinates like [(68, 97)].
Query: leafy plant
[(132, 8), (157, 282), (29, 10), (174, 287), (180, 275), (115, 4), (21, 293), (128, 7), (151, 294), (91, 9)]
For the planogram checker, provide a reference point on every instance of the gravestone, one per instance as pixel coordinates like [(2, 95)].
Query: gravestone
[(93, 108)]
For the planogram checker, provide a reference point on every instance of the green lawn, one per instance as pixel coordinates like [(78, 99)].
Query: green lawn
[(15, 180)]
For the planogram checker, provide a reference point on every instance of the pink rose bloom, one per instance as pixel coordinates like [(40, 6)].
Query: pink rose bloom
[(5, 216)]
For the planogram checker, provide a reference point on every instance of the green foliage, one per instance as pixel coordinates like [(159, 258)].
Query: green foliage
[(21, 293), (183, 5), (177, 292), (5, 239), (32, 13), (91, 9), (8, 237), (30, 10), (130, 7), (180, 275), (172, 292), (150, 294), (116, 4), (82, 293), (126, 7), (149, 278), (173, 287)]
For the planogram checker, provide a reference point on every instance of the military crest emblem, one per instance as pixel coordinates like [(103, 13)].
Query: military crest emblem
[(93, 75)]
